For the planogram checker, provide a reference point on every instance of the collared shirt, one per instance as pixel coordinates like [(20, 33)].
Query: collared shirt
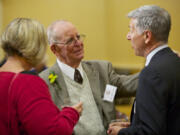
[(152, 53), (69, 71)]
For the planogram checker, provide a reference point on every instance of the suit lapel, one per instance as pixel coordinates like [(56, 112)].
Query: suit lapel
[(61, 90), (93, 77)]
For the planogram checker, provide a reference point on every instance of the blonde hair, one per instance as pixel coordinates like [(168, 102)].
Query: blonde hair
[(26, 38)]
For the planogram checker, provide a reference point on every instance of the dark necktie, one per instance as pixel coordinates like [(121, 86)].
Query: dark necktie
[(77, 77)]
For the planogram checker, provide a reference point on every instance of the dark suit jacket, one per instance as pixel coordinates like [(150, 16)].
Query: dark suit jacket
[(157, 109), (99, 74)]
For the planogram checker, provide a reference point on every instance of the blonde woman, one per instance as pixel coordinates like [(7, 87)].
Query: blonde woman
[(25, 104)]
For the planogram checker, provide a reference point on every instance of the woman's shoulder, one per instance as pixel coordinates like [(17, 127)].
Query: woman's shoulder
[(30, 78), (31, 84), (22, 78)]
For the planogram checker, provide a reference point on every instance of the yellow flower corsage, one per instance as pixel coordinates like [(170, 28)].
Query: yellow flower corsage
[(52, 77)]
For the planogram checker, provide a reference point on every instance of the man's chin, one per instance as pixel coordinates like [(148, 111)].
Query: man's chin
[(138, 54), (80, 56)]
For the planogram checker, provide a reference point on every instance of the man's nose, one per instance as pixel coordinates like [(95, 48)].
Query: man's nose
[(78, 42), (128, 36)]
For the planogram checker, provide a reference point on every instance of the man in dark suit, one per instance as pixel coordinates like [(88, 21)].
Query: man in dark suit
[(90, 84), (157, 107)]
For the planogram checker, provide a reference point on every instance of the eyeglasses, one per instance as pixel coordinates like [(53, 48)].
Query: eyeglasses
[(72, 40)]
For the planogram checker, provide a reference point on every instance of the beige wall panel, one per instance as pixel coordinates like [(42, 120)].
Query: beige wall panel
[(103, 21), (120, 51), (1, 17), (87, 15)]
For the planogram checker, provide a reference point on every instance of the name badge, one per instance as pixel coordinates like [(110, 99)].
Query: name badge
[(109, 93)]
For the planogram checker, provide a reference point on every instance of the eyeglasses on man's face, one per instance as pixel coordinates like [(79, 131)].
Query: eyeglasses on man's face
[(72, 40)]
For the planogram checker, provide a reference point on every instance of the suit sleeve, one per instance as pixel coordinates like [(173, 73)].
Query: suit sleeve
[(127, 84), (38, 114), (151, 107)]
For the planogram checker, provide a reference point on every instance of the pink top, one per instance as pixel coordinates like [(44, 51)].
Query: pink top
[(29, 108)]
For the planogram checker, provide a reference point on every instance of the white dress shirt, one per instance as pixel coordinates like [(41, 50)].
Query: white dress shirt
[(68, 70)]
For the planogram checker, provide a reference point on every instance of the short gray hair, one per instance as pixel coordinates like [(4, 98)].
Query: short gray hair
[(26, 38), (51, 31), (153, 18)]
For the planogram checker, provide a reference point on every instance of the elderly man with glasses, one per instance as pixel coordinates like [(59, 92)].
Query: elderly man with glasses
[(72, 80)]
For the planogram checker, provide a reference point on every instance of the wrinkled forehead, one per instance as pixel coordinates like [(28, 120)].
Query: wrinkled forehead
[(65, 29)]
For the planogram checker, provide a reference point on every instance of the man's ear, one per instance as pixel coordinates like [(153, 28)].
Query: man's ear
[(54, 48), (147, 36)]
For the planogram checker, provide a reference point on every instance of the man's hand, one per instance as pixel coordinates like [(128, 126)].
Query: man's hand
[(78, 107), (115, 127)]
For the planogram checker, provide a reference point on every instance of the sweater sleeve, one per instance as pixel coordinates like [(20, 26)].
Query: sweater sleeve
[(36, 111)]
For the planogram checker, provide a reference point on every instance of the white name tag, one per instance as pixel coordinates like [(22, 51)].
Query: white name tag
[(109, 93)]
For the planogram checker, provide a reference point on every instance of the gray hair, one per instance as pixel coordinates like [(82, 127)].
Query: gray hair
[(153, 18), (51, 31)]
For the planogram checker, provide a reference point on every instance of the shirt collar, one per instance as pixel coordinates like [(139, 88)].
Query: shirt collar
[(153, 52), (68, 70)]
